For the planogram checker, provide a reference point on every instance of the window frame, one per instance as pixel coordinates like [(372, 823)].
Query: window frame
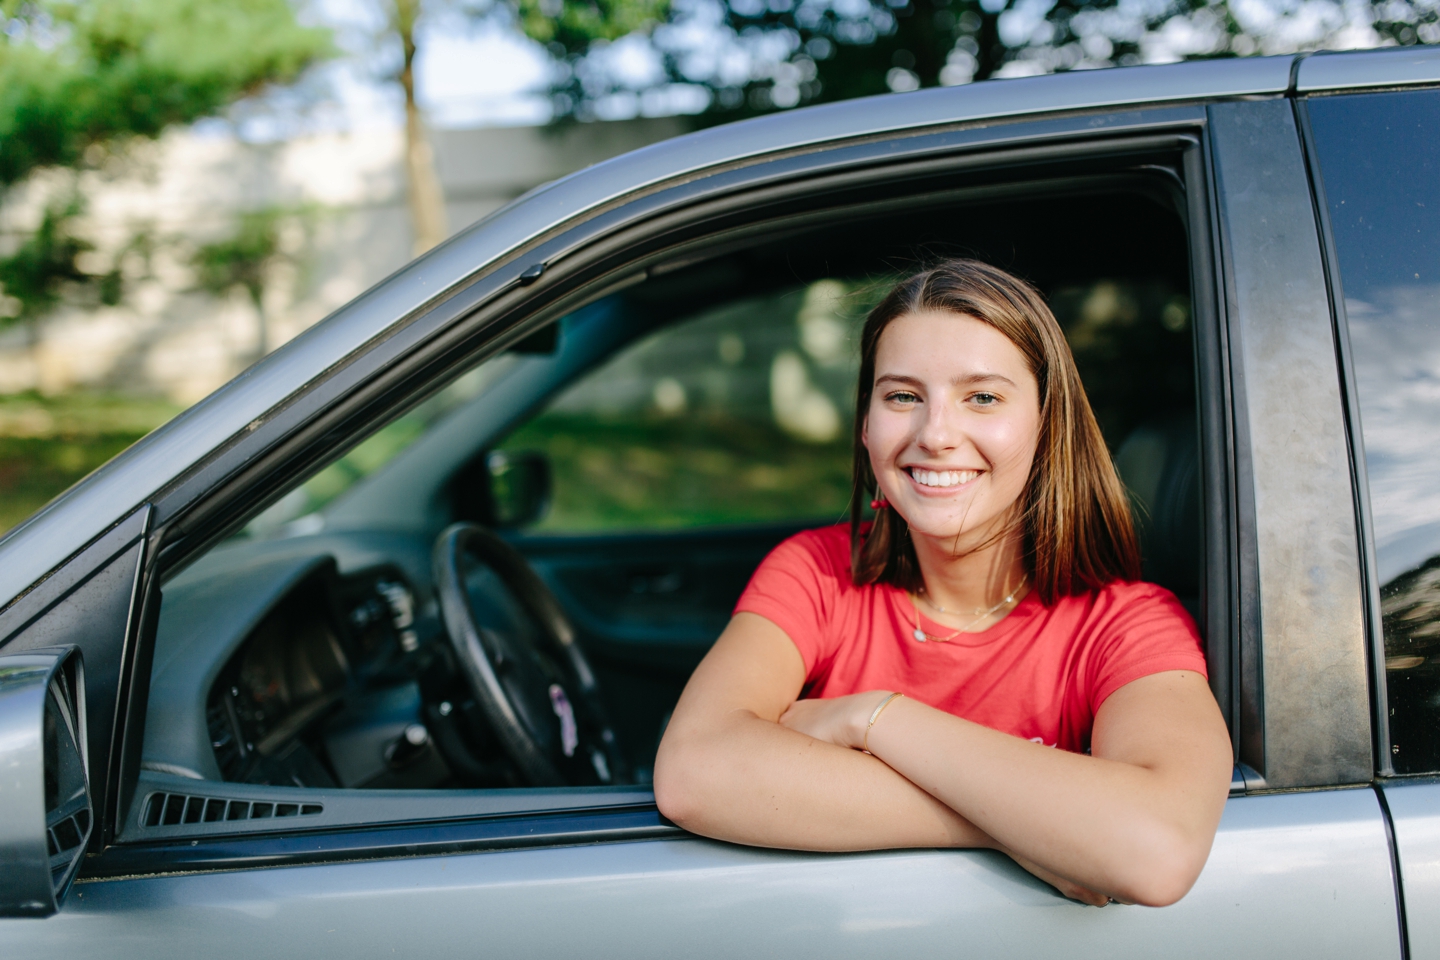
[(591, 259)]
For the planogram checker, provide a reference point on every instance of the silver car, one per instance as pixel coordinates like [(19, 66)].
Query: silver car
[(368, 654)]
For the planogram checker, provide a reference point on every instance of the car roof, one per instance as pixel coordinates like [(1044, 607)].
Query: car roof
[(72, 520)]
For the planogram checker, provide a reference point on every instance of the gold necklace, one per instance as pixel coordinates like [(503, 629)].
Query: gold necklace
[(921, 636)]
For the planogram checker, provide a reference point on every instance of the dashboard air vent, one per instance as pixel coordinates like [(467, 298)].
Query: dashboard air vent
[(169, 809)]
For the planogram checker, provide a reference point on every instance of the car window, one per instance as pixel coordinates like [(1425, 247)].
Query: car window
[(297, 511), (739, 414), (681, 426), (1380, 161)]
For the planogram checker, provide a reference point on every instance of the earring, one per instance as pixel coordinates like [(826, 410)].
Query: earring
[(878, 503)]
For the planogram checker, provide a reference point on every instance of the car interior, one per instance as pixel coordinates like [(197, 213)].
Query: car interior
[(492, 602)]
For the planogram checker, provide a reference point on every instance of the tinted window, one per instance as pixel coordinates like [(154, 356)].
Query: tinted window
[(1380, 159)]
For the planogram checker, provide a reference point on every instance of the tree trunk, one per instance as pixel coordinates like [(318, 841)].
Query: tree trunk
[(262, 322), (427, 202)]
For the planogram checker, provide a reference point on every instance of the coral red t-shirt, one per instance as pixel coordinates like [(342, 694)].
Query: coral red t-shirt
[(1041, 673)]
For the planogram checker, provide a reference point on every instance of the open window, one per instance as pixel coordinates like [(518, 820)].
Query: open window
[(641, 452)]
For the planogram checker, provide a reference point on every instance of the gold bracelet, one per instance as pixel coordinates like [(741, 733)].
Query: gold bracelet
[(865, 747)]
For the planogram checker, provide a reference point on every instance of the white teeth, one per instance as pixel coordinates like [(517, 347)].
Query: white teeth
[(943, 478)]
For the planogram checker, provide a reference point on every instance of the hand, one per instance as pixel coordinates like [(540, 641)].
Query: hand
[(1067, 889), (837, 720)]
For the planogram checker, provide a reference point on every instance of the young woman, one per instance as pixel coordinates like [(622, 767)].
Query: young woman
[(980, 667)]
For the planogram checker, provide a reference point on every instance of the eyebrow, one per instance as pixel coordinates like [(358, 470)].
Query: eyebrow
[(958, 381)]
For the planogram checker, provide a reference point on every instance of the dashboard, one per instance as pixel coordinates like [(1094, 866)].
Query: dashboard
[(296, 666), (321, 663)]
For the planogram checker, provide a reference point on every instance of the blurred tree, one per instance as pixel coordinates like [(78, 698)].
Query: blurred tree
[(76, 75), (737, 57), (80, 77), (572, 27), (427, 200), (34, 276), (247, 259)]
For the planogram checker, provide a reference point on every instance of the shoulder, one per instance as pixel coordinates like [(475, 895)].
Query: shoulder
[(1134, 629), (1125, 600), (825, 550), (1137, 600), (1129, 620), (802, 587), (1124, 615)]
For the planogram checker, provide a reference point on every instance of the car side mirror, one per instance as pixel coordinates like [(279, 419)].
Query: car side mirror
[(45, 811), (519, 487)]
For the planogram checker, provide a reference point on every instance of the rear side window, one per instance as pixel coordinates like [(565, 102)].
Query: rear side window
[(1379, 158)]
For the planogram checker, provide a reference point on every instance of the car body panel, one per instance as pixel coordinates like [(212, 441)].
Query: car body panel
[(1290, 875), (1415, 815)]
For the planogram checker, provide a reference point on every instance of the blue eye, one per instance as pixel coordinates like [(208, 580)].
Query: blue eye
[(985, 399), (901, 396)]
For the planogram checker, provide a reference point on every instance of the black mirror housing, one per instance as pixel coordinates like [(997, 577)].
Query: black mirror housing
[(519, 487), (46, 816), (502, 489)]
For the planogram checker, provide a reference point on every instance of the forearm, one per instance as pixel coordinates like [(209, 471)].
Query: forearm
[(752, 781), (1117, 827)]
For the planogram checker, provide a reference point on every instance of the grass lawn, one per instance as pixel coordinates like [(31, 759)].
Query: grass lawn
[(650, 473), (48, 443)]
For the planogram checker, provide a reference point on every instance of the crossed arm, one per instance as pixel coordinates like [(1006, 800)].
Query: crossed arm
[(743, 760)]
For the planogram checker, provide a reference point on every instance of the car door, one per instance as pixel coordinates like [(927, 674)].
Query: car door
[(1377, 167), (1300, 865)]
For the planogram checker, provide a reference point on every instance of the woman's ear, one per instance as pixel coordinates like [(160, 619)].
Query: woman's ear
[(865, 431)]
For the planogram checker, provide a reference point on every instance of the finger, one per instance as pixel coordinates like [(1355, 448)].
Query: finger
[(1085, 896)]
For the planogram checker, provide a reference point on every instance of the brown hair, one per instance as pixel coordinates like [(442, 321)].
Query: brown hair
[(1075, 515)]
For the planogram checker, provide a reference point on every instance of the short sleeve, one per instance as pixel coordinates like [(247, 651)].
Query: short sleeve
[(1145, 631), (797, 587)]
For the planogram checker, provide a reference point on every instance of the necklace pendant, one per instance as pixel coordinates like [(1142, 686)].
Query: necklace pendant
[(919, 635)]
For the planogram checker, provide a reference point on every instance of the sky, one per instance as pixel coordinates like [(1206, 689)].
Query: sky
[(468, 74)]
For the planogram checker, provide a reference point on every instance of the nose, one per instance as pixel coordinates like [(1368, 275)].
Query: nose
[(940, 431)]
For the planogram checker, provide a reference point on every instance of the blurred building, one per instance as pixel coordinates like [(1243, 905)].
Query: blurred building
[(339, 205)]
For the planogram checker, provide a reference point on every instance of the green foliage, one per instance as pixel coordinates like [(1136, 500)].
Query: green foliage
[(48, 443), (77, 74), (33, 277), (36, 277), (812, 51), (244, 258), (656, 473), (572, 26)]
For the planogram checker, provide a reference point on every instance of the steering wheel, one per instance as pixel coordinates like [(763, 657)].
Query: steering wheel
[(519, 656)]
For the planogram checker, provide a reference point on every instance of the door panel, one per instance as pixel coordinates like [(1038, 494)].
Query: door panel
[(1415, 812), (1290, 875), (655, 600), (647, 607)]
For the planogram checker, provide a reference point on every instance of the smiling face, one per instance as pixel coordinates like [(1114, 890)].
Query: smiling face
[(952, 426)]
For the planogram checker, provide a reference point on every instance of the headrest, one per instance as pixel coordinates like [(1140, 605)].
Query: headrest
[(1159, 464)]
